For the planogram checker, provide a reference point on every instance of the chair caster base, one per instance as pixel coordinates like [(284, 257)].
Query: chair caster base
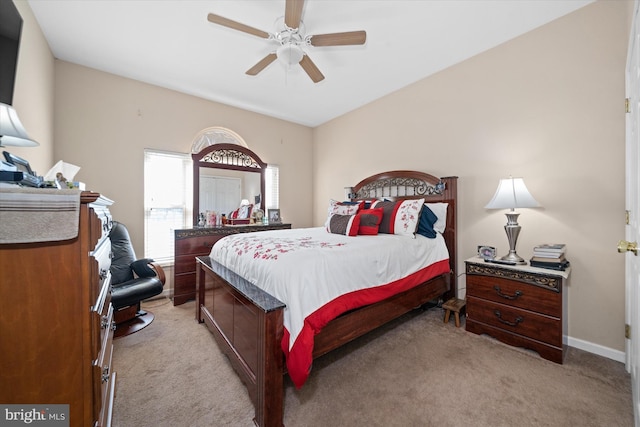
[(137, 323)]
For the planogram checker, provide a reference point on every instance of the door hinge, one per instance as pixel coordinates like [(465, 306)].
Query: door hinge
[(627, 105), (627, 331), (626, 216)]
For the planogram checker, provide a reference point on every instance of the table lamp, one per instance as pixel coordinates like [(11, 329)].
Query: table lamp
[(512, 194), (11, 130)]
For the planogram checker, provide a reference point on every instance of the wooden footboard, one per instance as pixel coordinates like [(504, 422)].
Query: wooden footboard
[(247, 325)]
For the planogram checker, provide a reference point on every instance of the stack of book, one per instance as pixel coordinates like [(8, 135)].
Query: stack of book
[(550, 256)]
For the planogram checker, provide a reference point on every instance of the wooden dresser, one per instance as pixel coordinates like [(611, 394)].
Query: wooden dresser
[(519, 305), (56, 319), (193, 242)]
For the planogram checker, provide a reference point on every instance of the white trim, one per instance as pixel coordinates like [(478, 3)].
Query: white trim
[(609, 353)]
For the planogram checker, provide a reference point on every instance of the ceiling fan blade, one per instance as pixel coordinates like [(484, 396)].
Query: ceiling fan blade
[(293, 13), (226, 22), (310, 68), (339, 39), (262, 64)]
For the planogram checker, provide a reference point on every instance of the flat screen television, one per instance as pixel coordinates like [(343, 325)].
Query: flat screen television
[(10, 30)]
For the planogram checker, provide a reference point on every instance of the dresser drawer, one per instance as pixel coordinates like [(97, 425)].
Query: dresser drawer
[(515, 294), (103, 375), (196, 246), (186, 264), (100, 271), (100, 223), (522, 322), (101, 321)]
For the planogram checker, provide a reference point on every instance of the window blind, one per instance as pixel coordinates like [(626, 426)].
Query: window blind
[(167, 201), (272, 187)]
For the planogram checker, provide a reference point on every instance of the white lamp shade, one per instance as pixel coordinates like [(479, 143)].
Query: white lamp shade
[(11, 130), (511, 194)]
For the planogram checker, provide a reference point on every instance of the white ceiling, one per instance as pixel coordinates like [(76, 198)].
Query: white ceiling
[(171, 44)]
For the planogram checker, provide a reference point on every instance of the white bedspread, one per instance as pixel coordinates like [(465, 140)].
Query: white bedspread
[(308, 267)]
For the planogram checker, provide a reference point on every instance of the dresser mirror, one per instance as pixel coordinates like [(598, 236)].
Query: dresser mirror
[(222, 167)]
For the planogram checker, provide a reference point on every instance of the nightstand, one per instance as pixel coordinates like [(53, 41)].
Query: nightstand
[(519, 305)]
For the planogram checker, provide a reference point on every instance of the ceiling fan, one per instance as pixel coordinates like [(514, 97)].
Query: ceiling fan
[(292, 40)]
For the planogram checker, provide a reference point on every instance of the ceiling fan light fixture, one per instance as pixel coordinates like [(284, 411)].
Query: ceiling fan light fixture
[(291, 37), (290, 54)]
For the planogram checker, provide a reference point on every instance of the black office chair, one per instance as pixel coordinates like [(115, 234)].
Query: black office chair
[(132, 280)]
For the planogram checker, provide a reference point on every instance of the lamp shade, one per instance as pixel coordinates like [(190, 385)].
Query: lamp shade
[(11, 130), (289, 54), (511, 194)]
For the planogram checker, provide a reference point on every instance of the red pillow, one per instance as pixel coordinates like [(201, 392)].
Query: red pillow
[(370, 221)]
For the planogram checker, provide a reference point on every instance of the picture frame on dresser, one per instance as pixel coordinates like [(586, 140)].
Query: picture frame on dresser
[(274, 216)]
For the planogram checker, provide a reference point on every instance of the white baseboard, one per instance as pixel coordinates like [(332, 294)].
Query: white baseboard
[(609, 353)]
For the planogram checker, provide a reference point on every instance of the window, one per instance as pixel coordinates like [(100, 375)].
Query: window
[(167, 201), (272, 187)]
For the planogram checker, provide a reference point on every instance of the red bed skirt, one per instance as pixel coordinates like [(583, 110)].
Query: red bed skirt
[(299, 358)]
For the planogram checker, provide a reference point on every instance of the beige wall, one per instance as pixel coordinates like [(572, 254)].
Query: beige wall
[(547, 106), (104, 123), (33, 92)]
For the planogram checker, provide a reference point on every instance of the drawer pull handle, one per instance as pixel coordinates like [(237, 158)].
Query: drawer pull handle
[(104, 322), (105, 374), (509, 297), (519, 319)]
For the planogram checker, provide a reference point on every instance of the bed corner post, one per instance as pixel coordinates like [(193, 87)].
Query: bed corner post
[(269, 408), (450, 196)]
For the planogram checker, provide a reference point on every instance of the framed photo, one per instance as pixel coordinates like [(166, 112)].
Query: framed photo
[(274, 216)]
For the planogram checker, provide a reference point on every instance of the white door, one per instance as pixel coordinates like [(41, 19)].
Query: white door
[(632, 234), (220, 194)]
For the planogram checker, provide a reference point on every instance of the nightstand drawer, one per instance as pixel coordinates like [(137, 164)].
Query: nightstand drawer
[(522, 322), (515, 294)]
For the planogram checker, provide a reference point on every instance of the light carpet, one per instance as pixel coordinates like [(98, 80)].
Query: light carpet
[(415, 371)]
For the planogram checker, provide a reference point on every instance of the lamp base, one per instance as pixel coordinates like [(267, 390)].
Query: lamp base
[(513, 257), (513, 230)]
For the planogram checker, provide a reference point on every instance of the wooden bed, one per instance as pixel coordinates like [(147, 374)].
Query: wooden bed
[(247, 323)]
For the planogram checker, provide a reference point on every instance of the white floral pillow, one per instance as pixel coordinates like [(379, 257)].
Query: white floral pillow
[(341, 208), (400, 217)]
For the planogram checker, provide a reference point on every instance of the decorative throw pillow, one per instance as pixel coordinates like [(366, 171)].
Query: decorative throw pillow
[(370, 221), (400, 217), (343, 208), (366, 204), (343, 224), (440, 209), (426, 223)]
